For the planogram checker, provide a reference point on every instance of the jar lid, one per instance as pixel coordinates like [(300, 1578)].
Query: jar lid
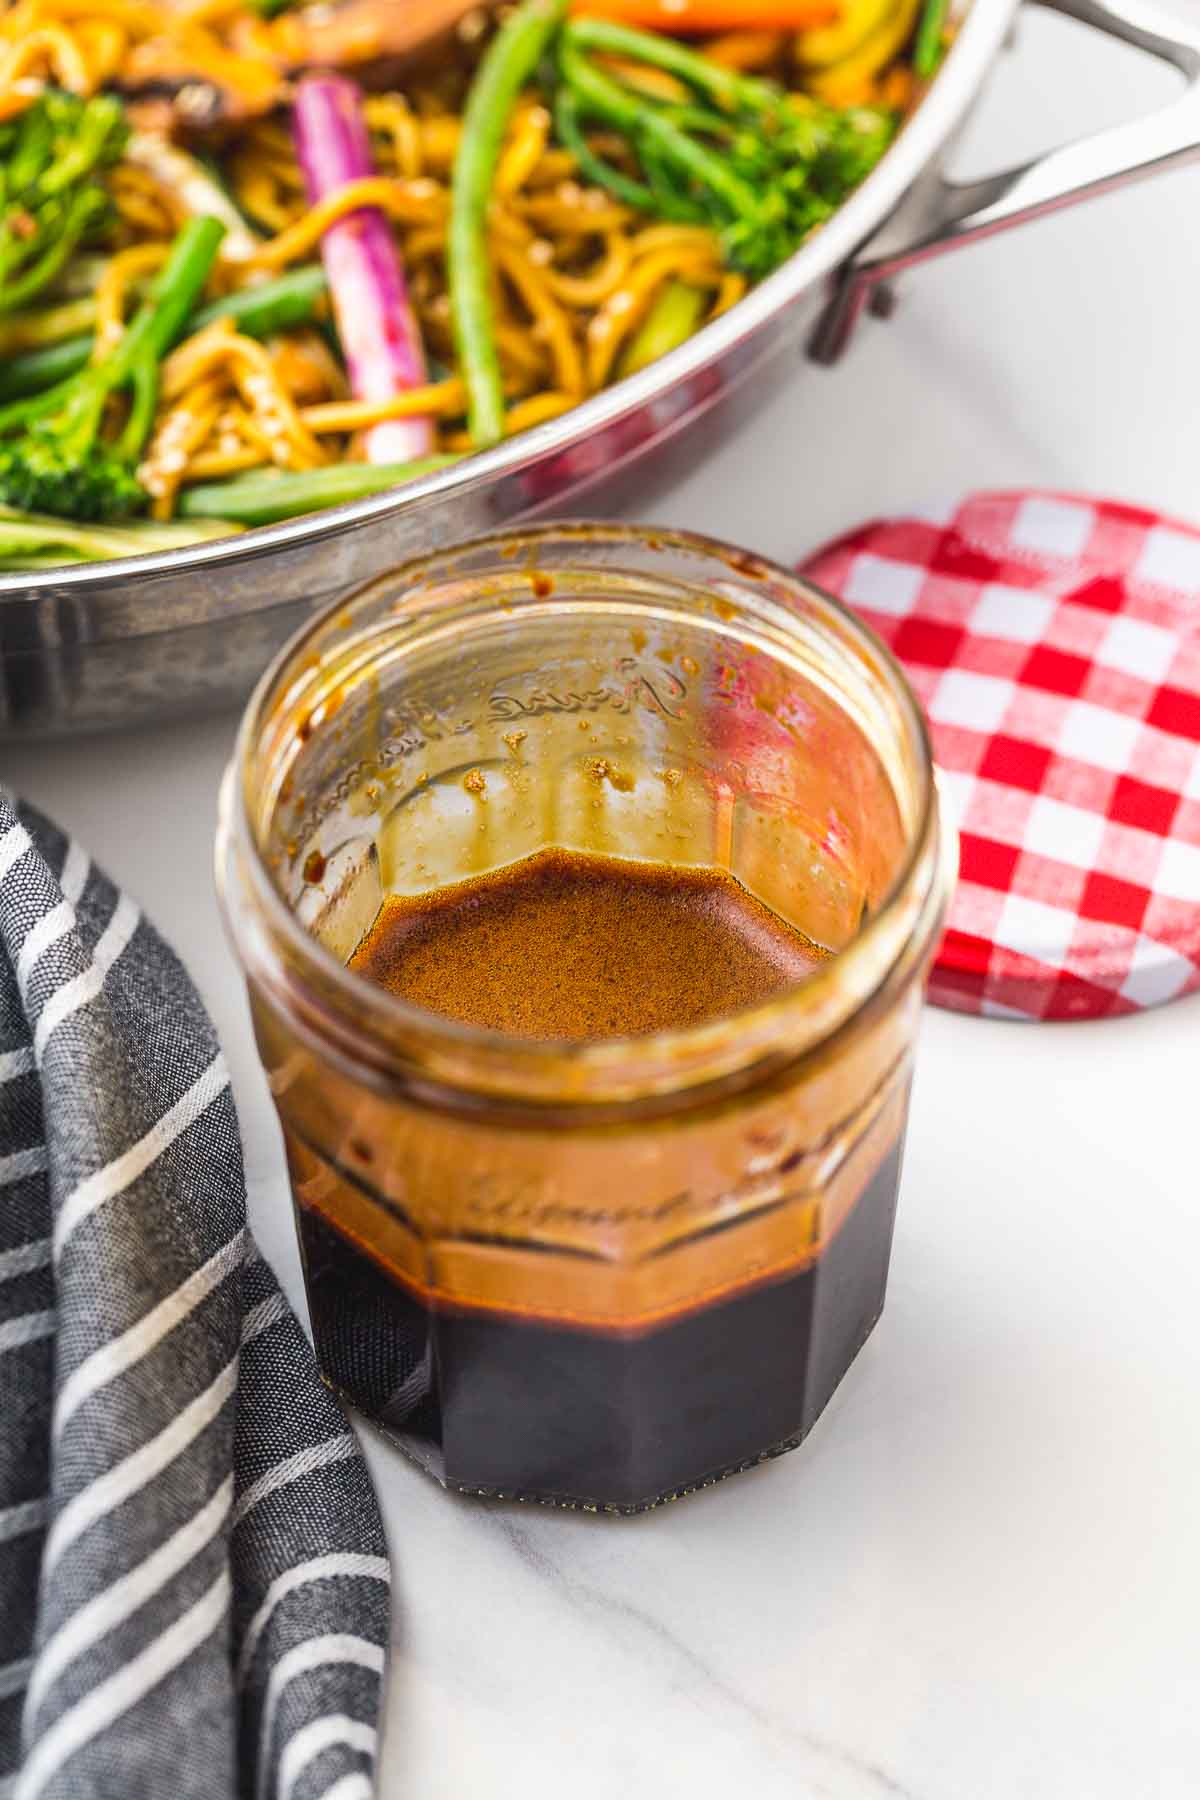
[(1054, 641)]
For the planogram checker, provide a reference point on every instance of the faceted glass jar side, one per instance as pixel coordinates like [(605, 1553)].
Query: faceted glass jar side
[(594, 1274)]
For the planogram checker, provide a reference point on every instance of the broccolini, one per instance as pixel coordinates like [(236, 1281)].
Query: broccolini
[(54, 457), (51, 196), (760, 167)]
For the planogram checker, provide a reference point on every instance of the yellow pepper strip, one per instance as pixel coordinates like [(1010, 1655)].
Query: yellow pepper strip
[(826, 45), (210, 12), (51, 45), (145, 21), (745, 49), (103, 43), (843, 84)]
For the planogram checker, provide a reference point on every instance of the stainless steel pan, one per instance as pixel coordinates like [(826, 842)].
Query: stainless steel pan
[(161, 635)]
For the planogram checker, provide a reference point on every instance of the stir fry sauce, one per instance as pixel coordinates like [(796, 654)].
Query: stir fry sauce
[(575, 947)]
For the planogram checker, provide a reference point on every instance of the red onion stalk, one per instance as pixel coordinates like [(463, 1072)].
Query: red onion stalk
[(379, 334)]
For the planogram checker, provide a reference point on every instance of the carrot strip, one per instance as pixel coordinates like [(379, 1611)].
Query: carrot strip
[(688, 17)]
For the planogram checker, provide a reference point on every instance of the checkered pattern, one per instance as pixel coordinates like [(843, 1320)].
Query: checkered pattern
[(1055, 643)]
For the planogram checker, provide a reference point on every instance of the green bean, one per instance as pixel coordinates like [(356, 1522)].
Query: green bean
[(257, 311), (507, 65), (265, 499), (38, 369), (670, 322), (927, 48), (271, 306)]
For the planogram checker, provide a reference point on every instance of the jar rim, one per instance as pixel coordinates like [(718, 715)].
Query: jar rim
[(406, 1041)]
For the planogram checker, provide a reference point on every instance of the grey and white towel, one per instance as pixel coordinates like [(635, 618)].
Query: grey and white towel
[(193, 1577)]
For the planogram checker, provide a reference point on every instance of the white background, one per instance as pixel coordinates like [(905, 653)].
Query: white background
[(980, 1578)]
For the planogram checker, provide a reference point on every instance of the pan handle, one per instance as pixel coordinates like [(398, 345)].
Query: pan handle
[(938, 214)]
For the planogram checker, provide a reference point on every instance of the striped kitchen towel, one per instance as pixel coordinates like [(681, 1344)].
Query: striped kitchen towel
[(193, 1576)]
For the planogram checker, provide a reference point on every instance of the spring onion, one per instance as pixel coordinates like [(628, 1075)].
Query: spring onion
[(376, 325)]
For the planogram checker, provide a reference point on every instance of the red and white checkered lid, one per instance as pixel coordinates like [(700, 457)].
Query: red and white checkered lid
[(1055, 643)]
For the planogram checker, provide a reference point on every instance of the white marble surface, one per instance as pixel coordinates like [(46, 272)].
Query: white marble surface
[(980, 1578)]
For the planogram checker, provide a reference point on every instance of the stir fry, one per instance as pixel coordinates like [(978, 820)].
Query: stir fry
[(256, 260)]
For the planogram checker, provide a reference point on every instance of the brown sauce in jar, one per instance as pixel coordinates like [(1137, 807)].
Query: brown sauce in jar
[(574, 946)]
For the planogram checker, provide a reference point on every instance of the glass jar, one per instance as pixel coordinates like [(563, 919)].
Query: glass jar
[(602, 1273)]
